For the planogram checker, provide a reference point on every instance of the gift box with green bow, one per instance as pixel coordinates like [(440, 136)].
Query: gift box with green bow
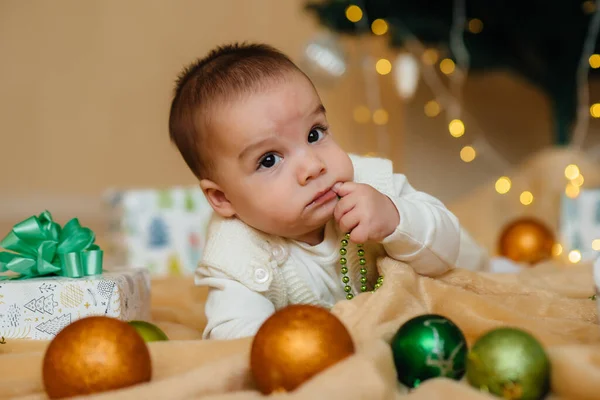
[(52, 275), (39, 247)]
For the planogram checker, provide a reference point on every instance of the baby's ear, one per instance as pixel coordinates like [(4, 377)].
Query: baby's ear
[(216, 198)]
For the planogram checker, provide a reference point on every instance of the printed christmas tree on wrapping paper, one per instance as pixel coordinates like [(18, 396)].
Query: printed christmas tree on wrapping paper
[(158, 233), (189, 204), (174, 266), (54, 325), (165, 199), (43, 304)]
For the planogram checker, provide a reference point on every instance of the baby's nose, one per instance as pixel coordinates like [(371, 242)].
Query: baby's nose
[(311, 168)]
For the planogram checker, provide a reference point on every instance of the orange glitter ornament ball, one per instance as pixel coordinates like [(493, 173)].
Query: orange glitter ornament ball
[(526, 240), (296, 343), (95, 354)]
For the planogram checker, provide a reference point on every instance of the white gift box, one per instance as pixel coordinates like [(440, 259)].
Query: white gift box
[(39, 308), (580, 223), (162, 230)]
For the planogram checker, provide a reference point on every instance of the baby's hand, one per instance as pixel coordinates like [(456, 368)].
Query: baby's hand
[(364, 212)]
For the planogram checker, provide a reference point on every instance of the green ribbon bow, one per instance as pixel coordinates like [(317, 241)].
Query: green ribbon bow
[(39, 247)]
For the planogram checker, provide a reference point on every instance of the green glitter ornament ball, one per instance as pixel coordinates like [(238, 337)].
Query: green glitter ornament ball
[(149, 332), (429, 346), (509, 363)]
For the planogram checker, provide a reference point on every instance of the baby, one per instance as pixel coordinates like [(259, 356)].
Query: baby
[(296, 219)]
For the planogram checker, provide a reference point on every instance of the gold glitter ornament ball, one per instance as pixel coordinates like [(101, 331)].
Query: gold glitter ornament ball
[(95, 354), (295, 344), (526, 240), (509, 363)]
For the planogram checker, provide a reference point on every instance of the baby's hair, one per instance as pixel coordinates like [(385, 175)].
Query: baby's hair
[(227, 72)]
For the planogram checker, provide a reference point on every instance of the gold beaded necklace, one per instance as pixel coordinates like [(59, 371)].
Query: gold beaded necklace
[(363, 269)]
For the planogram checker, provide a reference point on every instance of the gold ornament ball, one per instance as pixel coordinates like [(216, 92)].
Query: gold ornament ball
[(526, 240), (95, 354), (295, 344)]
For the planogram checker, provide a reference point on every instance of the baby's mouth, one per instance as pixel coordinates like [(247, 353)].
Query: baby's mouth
[(323, 197)]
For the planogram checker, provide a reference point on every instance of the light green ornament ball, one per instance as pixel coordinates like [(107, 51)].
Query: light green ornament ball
[(509, 363), (149, 332)]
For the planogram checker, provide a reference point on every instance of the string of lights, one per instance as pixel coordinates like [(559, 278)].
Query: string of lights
[(379, 115), (582, 123), (451, 99), (443, 98)]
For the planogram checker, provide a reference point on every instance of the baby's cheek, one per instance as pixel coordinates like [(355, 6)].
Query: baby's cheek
[(283, 211), (283, 214), (266, 206), (344, 167)]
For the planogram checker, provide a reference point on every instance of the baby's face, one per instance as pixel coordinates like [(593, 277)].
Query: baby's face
[(276, 160)]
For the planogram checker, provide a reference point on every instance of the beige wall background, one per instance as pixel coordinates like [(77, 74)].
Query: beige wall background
[(85, 88)]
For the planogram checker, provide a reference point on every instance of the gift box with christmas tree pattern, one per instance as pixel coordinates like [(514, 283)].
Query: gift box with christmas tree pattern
[(52, 275), (40, 307), (162, 230)]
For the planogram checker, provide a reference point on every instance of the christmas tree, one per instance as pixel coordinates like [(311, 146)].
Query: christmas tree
[(541, 41)]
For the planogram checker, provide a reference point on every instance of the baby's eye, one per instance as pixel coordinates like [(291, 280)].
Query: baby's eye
[(315, 134), (268, 160)]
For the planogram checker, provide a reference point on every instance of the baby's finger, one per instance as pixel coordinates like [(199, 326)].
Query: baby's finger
[(360, 234), (349, 221), (344, 188), (343, 206)]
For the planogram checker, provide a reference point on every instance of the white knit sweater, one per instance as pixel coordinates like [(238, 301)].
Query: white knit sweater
[(252, 274)]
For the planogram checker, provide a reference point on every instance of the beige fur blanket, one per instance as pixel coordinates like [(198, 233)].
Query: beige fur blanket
[(552, 302)]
